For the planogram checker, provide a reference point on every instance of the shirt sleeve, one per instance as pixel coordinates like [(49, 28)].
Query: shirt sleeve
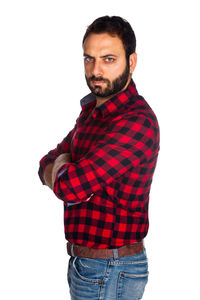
[(124, 146), (63, 147)]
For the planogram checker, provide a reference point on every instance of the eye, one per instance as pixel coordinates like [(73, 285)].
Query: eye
[(88, 59), (109, 59)]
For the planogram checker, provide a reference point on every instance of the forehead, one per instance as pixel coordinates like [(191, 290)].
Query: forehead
[(103, 44)]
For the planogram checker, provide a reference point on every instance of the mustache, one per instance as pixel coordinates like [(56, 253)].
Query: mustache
[(93, 78)]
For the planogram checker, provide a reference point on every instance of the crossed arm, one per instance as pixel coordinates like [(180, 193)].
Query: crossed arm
[(131, 142)]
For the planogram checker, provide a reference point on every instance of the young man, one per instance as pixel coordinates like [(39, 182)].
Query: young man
[(103, 169)]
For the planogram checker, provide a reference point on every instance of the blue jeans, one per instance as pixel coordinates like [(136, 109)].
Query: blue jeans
[(121, 278)]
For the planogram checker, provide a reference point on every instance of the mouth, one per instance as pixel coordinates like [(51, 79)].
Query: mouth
[(98, 82)]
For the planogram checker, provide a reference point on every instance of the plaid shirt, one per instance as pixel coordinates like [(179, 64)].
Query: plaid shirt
[(114, 155)]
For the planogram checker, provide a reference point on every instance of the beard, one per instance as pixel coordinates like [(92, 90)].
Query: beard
[(113, 87)]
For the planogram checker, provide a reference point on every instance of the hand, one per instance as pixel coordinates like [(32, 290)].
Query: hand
[(89, 197), (61, 160)]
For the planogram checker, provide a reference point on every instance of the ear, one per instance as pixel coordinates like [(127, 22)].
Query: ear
[(132, 61)]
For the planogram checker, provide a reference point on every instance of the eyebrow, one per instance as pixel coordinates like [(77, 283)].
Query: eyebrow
[(103, 56)]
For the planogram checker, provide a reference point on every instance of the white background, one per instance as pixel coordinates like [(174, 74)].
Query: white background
[(41, 84)]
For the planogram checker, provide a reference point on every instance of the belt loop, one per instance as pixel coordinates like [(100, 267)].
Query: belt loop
[(115, 254), (72, 250)]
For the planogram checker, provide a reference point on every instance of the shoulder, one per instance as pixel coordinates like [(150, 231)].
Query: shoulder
[(138, 106), (136, 110)]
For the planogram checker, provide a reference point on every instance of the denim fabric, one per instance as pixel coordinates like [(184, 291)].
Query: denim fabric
[(123, 278)]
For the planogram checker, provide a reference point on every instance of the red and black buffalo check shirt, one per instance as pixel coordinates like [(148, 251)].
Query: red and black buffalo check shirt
[(114, 155)]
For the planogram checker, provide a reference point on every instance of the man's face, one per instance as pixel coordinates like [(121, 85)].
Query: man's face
[(106, 68)]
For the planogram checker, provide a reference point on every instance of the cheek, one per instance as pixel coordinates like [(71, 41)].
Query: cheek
[(114, 71), (88, 69)]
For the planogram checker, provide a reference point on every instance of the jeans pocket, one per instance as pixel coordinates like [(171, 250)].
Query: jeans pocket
[(132, 281), (131, 286), (84, 279), (89, 270)]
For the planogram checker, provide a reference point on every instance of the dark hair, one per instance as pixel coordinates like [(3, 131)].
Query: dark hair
[(114, 26)]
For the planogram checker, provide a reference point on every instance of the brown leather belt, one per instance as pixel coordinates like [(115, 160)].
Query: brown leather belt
[(81, 251)]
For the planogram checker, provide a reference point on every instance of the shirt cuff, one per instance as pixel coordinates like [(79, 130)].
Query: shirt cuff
[(59, 174), (62, 171)]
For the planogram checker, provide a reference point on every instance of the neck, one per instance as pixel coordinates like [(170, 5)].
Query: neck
[(101, 100)]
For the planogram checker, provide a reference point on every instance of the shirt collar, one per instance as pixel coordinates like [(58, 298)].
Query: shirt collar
[(114, 103)]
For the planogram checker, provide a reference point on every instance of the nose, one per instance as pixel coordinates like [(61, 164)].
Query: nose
[(97, 69)]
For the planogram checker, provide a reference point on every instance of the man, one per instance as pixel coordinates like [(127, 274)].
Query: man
[(103, 168)]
